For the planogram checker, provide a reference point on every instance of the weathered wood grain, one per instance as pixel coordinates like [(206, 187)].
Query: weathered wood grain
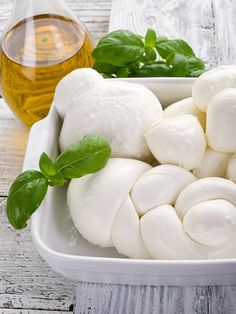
[(13, 140), (120, 299), (10, 311), (26, 282), (208, 25)]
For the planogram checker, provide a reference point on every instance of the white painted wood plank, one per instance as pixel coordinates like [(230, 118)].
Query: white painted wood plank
[(121, 299), (11, 311), (26, 282), (12, 147), (208, 25)]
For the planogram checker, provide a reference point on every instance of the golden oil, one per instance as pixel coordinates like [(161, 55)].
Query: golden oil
[(36, 54)]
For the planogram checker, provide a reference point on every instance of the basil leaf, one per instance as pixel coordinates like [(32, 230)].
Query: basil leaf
[(120, 47), (46, 166), (87, 156), (161, 39), (150, 38), (133, 68), (123, 72), (150, 54), (166, 47), (154, 70), (195, 64), (179, 65), (105, 68), (56, 180), (25, 196), (107, 76), (197, 73), (183, 66)]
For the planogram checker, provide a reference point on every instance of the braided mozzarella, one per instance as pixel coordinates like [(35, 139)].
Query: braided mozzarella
[(94, 200), (158, 186), (161, 212)]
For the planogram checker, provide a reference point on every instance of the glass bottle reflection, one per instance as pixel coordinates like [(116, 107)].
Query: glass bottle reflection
[(36, 53)]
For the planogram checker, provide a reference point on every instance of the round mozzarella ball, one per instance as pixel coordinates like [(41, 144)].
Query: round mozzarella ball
[(214, 164), (95, 199), (221, 121), (73, 86), (185, 106), (211, 83), (158, 186), (211, 223), (179, 140), (121, 112), (126, 236), (231, 170)]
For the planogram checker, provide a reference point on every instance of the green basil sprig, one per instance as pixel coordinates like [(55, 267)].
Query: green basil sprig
[(30, 187), (122, 53)]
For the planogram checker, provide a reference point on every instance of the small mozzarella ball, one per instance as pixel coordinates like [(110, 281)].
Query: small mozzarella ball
[(185, 106), (221, 121), (164, 237), (211, 83), (158, 186), (74, 85), (214, 164), (126, 236), (121, 112), (95, 199), (211, 223), (179, 140), (203, 190), (231, 170)]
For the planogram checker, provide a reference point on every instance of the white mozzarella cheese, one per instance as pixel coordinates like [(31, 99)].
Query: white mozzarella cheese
[(185, 106), (72, 86), (211, 83), (158, 186), (221, 121), (231, 170), (204, 190), (121, 112), (126, 235), (94, 200), (211, 222), (214, 164), (179, 140)]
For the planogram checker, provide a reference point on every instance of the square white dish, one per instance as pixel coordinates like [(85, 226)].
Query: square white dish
[(68, 253)]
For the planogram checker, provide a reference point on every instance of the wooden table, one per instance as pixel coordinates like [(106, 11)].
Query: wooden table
[(27, 284)]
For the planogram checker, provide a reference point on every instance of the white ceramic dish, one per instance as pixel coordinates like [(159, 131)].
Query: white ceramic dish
[(69, 254), (167, 89)]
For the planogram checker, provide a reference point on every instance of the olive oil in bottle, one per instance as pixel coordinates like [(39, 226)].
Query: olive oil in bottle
[(35, 55)]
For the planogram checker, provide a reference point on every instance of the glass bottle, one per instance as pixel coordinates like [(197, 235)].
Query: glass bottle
[(42, 42)]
